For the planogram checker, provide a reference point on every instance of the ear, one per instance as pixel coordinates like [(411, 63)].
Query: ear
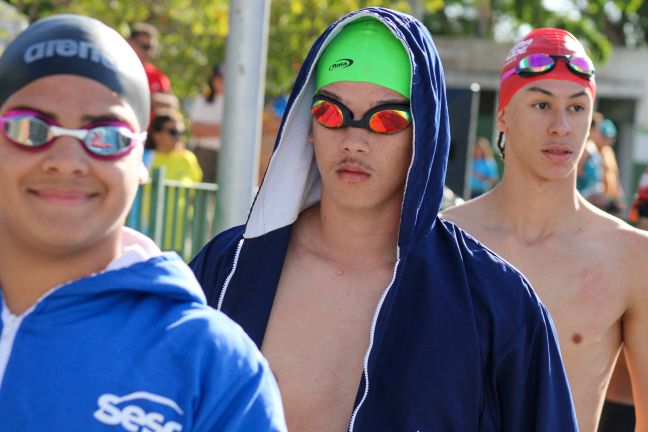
[(500, 121), (142, 173)]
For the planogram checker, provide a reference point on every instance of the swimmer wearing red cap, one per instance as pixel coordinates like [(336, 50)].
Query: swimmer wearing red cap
[(581, 261)]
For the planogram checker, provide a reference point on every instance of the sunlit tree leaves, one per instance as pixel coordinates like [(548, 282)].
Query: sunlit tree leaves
[(193, 32)]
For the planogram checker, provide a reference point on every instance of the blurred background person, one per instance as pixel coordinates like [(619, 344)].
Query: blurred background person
[(589, 178), (639, 211), (272, 113), (484, 168), (164, 102), (165, 141), (614, 196), (144, 40), (206, 115), (600, 183)]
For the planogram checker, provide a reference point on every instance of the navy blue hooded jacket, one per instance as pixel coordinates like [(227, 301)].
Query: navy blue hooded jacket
[(459, 340)]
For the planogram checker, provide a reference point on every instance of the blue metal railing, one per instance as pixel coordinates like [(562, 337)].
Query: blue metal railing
[(177, 215)]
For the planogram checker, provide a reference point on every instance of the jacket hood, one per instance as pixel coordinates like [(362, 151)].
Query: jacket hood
[(292, 181), (164, 276)]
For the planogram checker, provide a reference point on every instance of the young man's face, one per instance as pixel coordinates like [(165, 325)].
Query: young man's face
[(359, 168), (546, 124), (61, 199)]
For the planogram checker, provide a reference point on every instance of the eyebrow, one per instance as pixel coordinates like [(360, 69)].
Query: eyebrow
[(102, 118), (548, 93), (380, 102), (86, 118)]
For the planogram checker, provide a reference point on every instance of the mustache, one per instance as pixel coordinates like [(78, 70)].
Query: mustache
[(354, 161)]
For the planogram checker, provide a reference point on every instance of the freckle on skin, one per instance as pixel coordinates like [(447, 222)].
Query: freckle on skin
[(577, 338)]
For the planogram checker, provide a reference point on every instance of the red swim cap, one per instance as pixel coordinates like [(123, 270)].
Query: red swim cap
[(551, 41)]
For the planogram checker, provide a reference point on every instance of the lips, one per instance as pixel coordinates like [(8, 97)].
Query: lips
[(68, 196), (558, 153), (352, 172)]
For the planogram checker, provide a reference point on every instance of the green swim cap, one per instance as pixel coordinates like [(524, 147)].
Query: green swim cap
[(366, 51)]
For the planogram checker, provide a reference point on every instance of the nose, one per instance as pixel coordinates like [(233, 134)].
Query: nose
[(560, 124), (355, 140), (66, 156)]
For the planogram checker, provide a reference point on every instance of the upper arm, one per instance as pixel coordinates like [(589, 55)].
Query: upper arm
[(251, 404), (237, 389), (635, 337)]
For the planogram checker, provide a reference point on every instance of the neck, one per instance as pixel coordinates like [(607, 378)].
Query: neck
[(28, 273), (362, 237), (536, 207)]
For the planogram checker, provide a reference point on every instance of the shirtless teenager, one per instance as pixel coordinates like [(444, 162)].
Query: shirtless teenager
[(589, 268), (374, 314)]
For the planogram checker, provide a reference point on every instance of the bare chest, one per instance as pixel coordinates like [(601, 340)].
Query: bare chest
[(317, 338), (580, 283), (583, 286)]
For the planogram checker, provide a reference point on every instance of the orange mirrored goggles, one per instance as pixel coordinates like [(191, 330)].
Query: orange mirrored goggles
[(383, 119)]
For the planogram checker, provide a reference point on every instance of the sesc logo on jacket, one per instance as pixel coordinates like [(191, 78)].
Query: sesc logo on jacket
[(139, 412)]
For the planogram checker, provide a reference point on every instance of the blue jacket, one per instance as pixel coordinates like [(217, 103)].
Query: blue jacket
[(459, 341), (133, 349)]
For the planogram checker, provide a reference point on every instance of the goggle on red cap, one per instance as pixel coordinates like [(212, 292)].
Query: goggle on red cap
[(546, 53)]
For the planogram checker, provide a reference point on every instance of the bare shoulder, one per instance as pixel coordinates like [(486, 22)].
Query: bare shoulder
[(624, 244), (464, 212), (627, 240), (472, 215), (633, 248)]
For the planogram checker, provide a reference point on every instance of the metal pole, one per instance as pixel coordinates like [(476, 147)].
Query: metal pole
[(417, 9), (245, 67)]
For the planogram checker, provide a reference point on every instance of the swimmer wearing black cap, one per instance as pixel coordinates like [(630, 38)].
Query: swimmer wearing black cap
[(99, 331)]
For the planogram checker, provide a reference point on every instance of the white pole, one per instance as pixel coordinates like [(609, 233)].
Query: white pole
[(244, 77), (417, 9)]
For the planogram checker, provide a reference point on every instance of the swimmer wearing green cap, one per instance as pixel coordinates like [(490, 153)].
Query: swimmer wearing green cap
[(100, 330), (374, 314)]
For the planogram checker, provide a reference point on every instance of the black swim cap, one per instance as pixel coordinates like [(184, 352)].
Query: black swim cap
[(77, 45)]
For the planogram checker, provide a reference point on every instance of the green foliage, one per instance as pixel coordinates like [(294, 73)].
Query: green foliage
[(11, 23), (294, 26), (193, 32)]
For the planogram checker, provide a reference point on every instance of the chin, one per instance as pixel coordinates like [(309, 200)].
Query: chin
[(557, 175)]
